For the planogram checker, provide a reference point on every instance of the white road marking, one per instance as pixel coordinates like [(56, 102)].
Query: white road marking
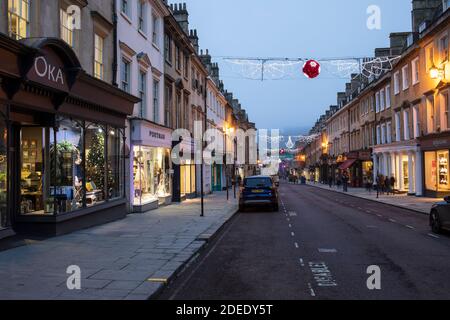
[(290, 225), (296, 245), (292, 214), (292, 234), (434, 236), (368, 211), (392, 220), (410, 227), (311, 290), (359, 208), (381, 216), (322, 274), (302, 263), (321, 250)]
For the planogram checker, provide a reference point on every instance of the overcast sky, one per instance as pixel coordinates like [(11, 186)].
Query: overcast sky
[(291, 29)]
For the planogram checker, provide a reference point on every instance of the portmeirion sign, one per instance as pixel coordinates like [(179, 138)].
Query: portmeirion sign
[(49, 70)]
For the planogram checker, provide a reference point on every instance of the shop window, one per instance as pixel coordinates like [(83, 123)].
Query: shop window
[(66, 187), (95, 164), (35, 174), (151, 173), (19, 18), (115, 164), (3, 174), (437, 171)]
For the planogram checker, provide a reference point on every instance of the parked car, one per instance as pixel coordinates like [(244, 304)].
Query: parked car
[(258, 191), (440, 216)]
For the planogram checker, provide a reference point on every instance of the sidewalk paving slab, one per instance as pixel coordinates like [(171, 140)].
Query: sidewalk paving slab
[(131, 259)]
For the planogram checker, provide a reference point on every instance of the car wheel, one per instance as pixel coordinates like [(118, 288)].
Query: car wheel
[(435, 223)]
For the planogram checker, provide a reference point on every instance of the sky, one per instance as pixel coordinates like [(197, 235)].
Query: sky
[(291, 29)]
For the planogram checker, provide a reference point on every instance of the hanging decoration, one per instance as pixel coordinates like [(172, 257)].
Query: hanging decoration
[(311, 69)]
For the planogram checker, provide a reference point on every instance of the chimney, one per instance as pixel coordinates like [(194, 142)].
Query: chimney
[(399, 42), (341, 98), (382, 52), (194, 39), (424, 10), (182, 16)]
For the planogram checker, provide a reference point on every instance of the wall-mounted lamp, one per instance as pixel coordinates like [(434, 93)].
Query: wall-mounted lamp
[(437, 73)]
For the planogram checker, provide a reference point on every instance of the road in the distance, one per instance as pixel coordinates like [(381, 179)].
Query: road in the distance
[(319, 246)]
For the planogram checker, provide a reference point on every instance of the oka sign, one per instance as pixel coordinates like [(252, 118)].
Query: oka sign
[(49, 70)]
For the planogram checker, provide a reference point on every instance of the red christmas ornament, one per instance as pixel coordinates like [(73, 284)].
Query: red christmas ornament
[(311, 69)]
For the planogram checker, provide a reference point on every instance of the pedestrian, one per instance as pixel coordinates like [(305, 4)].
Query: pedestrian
[(381, 184), (392, 182), (345, 179), (369, 185), (387, 184), (330, 181)]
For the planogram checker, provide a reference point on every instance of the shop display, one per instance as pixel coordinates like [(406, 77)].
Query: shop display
[(151, 175), (443, 169)]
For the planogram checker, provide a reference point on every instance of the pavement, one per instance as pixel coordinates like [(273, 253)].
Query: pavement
[(322, 245), (132, 258), (418, 204)]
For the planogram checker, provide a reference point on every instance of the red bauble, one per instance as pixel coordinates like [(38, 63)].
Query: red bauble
[(311, 69)]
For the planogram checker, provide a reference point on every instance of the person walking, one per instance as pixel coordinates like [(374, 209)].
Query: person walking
[(330, 181), (381, 184), (392, 182), (387, 184), (345, 179)]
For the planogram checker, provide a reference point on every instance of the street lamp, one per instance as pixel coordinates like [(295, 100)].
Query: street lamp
[(436, 73)]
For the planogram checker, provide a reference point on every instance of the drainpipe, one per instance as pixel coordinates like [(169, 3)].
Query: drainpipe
[(115, 47)]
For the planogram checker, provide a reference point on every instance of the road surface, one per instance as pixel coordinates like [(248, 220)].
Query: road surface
[(319, 246)]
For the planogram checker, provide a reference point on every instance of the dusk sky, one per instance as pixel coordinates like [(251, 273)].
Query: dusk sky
[(291, 29)]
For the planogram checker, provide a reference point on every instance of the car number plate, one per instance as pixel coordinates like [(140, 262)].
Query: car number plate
[(258, 191)]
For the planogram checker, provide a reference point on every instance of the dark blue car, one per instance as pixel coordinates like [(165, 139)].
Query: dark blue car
[(258, 191)]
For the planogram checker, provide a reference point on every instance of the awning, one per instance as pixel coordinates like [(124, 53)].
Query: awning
[(347, 164)]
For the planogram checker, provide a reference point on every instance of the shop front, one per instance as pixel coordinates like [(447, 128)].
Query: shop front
[(151, 176), (184, 176), (62, 146), (436, 165), (216, 177), (359, 166)]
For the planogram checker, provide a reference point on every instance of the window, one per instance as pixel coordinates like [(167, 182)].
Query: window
[(155, 30), (397, 82), (178, 58), (143, 94), (167, 105), (168, 48), (19, 18), (142, 9), (415, 71), (125, 75), (156, 101), (430, 115), (186, 66), (378, 135), (398, 137), (186, 124), (416, 123), (443, 47), (383, 134), (66, 27), (388, 96), (406, 132), (382, 100), (429, 52), (98, 57), (178, 113), (405, 77), (126, 7), (115, 164), (389, 132), (445, 124), (3, 174), (377, 102)]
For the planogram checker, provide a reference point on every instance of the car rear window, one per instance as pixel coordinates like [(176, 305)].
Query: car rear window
[(258, 183)]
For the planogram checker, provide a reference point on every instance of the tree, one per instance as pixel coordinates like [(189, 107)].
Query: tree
[(95, 161)]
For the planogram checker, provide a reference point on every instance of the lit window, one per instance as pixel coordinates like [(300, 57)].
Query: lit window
[(98, 57), (443, 46), (19, 18), (66, 27)]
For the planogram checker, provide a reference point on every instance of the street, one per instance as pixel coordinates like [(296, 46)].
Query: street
[(319, 247)]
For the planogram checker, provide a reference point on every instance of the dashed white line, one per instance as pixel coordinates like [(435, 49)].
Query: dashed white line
[(392, 220), (434, 236), (296, 245), (293, 234), (311, 290), (302, 263), (290, 225), (410, 227)]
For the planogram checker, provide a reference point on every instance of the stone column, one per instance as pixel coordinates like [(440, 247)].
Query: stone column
[(375, 167), (385, 163), (400, 172), (393, 171), (419, 174), (411, 173)]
